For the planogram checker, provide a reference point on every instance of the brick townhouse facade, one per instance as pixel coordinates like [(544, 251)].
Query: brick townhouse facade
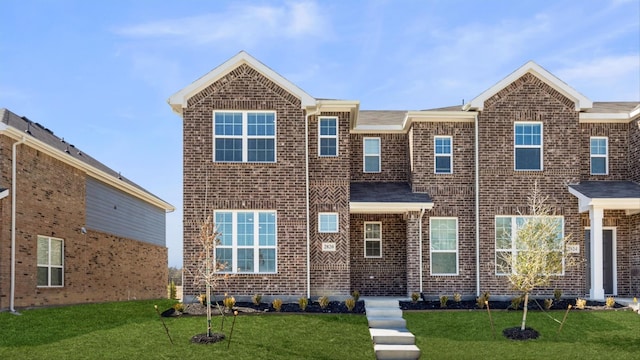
[(316, 197), (72, 230)]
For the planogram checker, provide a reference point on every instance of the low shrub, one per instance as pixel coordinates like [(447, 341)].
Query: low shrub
[(610, 302), (323, 301), (178, 307), (356, 295), (277, 304), (457, 297), (415, 296), (303, 302), (229, 302), (350, 303), (548, 303), (443, 301), (257, 299), (581, 303), (557, 294), (516, 302)]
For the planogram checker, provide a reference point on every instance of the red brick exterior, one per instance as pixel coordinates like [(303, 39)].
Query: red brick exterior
[(502, 190), (98, 267)]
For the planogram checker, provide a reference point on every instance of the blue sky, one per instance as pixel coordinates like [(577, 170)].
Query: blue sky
[(98, 73)]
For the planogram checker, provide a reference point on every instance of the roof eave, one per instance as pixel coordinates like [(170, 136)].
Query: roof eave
[(388, 207)]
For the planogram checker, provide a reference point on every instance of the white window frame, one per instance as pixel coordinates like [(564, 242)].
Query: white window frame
[(320, 136), (513, 247), (541, 146), (49, 266), (448, 251), (367, 240), (365, 154), (328, 216), (605, 156), (436, 155), (245, 135), (256, 241)]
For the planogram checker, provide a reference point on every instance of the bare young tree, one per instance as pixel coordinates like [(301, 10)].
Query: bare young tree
[(538, 257)]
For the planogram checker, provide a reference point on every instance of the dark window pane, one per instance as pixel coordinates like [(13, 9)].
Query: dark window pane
[(598, 165), (261, 150), (56, 276), (43, 276), (328, 147), (528, 159), (245, 260), (443, 263), (267, 260), (443, 164), (229, 150), (371, 164)]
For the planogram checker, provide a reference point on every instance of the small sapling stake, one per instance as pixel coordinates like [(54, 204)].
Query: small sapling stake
[(564, 318), (235, 315), (493, 330), (163, 324)]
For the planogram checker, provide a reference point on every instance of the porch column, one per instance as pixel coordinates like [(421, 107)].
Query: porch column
[(597, 288), (413, 252)]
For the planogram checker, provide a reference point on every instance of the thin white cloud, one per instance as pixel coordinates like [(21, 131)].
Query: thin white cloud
[(243, 24)]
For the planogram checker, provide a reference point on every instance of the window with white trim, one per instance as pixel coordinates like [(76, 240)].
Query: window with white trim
[(328, 136), (50, 262), (328, 222), (599, 155), (443, 151), (371, 151), (443, 235), (373, 239), (508, 248), (244, 136), (247, 241), (528, 146)]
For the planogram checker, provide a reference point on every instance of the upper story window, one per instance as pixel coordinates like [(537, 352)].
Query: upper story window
[(244, 136), (371, 154), (50, 261), (443, 151), (373, 239), (328, 222), (248, 241), (599, 155), (528, 146), (443, 235), (328, 136)]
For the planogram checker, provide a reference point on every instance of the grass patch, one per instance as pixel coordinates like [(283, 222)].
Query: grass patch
[(133, 330), (586, 334)]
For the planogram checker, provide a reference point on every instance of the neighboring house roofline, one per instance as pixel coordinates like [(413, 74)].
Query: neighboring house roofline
[(581, 101), (98, 174), (178, 101)]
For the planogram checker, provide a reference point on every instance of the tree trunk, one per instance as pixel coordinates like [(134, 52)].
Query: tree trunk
[(524, 311)]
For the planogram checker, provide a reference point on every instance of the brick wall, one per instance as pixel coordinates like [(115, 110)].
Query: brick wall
[(634, 150), (394, 149), (98, 267), (504, 191), (384, 276), (634, 256), (276, 186), (618, 134)]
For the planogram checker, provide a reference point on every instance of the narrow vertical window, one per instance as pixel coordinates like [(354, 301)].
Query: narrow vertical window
[(328, 222), (443, 236), (443, 151), (599, 156), (328, 136), (50, 262), (371, 154), (373, 239), (528, 146)]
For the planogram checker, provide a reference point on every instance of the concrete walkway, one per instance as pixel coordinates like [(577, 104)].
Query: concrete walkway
[(391, 339)]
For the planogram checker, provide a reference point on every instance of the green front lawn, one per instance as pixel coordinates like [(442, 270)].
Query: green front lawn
[(132, 330), (587, 334)]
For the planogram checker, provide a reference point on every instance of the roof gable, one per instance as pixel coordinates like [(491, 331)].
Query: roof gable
[(178, 101), (581, 101)]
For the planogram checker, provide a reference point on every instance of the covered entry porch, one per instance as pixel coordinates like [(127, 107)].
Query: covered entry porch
[(605, 271), (386, 238)]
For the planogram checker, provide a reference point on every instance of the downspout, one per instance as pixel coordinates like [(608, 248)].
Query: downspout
[(306, 152), (14, 160), (477, 196), (420, 245)]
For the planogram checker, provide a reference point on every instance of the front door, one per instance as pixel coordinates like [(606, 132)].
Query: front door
[(608, 260)]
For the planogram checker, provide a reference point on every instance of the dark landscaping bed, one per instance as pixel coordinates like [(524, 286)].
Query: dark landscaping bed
[(534, 304)]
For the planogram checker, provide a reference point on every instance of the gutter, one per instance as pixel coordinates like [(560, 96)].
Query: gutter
[(306, 152), (420, 246), (477, 196), (14, 160)]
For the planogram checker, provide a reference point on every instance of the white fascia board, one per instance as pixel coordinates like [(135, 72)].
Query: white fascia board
[(438, 116), (586, 118), (386, 207), (178, 101), (631, 205), (581, 101), (384, 129), (4, 193), (88, 169)]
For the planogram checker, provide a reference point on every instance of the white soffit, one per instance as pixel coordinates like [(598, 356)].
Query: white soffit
[(581, 101), (178, 101)]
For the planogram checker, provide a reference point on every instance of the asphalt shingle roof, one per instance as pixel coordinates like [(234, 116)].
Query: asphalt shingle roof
[(389, 192), (608, 189)]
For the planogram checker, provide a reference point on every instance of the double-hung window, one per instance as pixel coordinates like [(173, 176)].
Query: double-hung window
[(443, 155), (328, 222), (599, 155), (328, 136), (50, 262), (247, 241), (244, 136), (373, 239), (528, 146), (443, 235), (371, 150), (510, 249)]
